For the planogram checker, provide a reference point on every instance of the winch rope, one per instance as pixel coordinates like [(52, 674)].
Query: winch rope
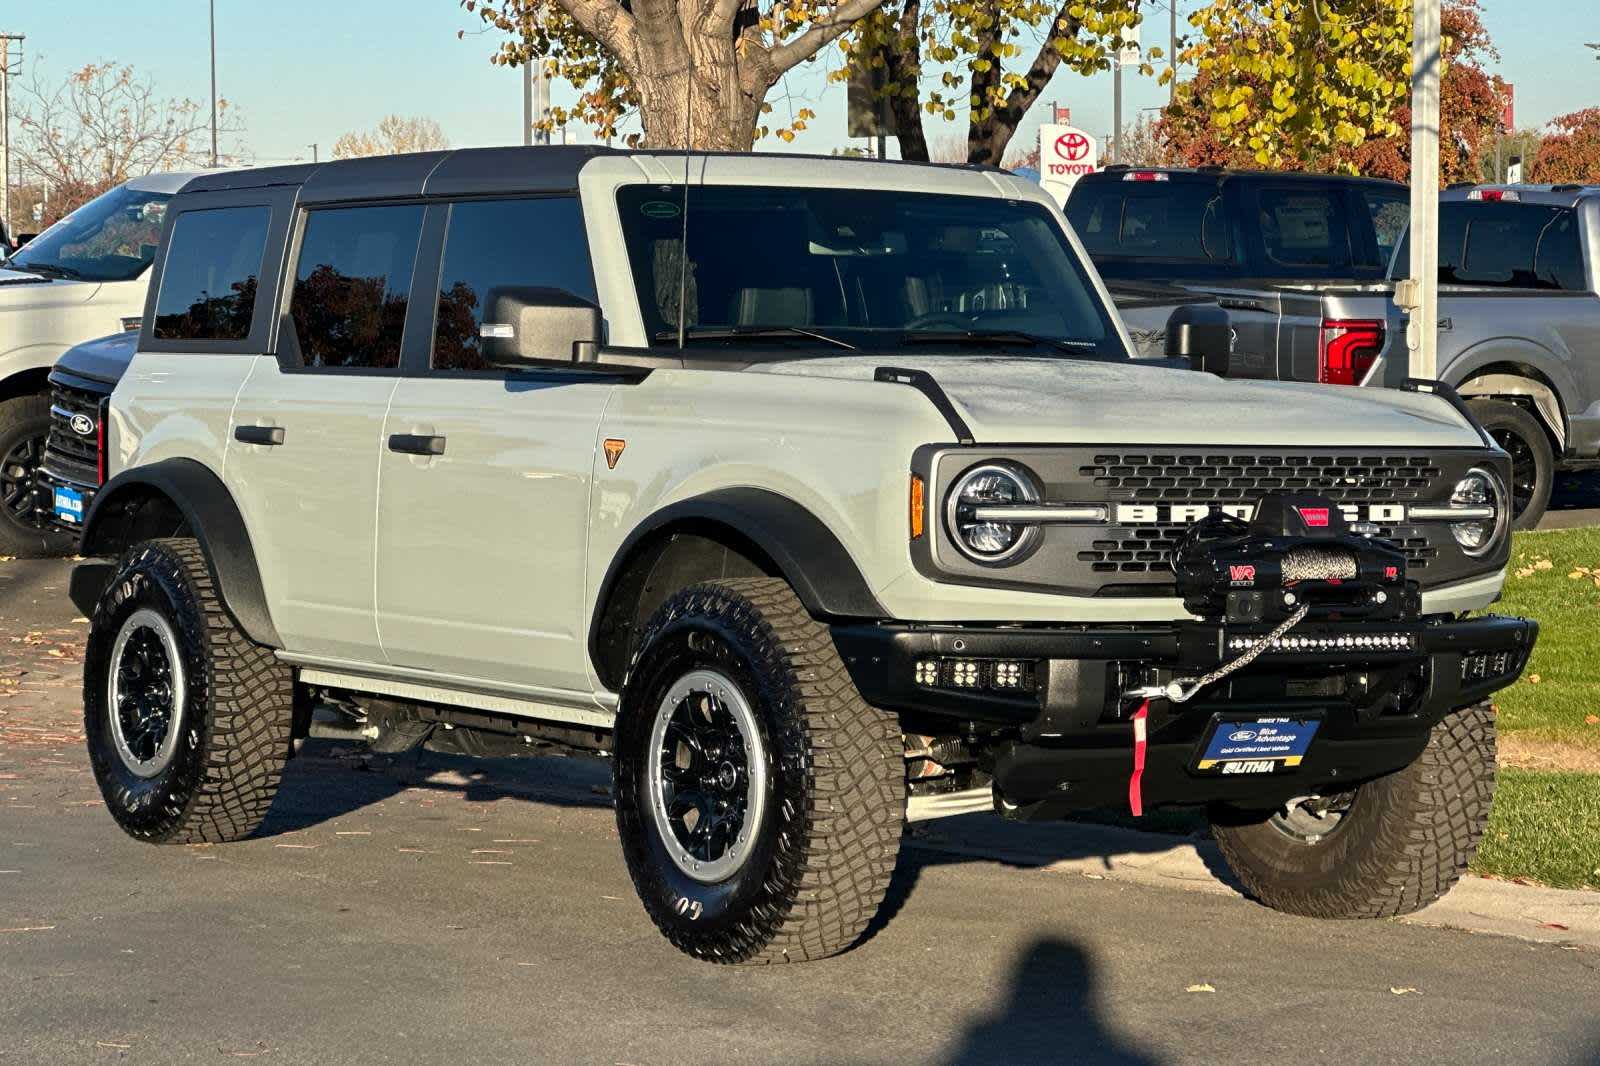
[(1318, 564), (1183, 689)]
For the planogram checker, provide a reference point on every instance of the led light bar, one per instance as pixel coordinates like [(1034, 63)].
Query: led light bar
[(1346, 642)]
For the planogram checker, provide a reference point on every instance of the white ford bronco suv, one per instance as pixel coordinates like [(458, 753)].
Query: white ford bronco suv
[(794, 486)]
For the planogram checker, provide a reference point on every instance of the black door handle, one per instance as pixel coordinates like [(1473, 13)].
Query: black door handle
[(272, 436), (414, 444)]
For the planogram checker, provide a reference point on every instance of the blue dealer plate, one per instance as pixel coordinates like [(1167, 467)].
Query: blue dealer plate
[(69, 505), (1256, 745)]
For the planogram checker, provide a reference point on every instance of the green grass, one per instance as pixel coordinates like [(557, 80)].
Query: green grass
[(1545, 827), (1566, 660)]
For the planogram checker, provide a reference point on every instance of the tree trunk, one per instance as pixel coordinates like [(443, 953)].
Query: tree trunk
[(988, 140), (903, 61), (705, 113)]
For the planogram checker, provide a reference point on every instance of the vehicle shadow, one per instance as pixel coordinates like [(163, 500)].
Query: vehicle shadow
[(330, 779), (1051, 1013)]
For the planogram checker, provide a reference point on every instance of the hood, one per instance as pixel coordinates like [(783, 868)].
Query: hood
[(20, 289), (1079, 401), (105, 359), (18, 277)]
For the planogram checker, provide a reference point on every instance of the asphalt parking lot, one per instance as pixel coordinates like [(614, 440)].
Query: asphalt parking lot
[(440, 910)]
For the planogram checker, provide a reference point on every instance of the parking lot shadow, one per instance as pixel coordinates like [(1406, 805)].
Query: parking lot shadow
[(1051, 1014)]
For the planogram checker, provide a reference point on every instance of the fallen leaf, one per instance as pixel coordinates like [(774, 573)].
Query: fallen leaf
[(1543, 564), (1593, 719), (1577, 574), (1404, 991), (1554, 925), (1533, 679), (1200, 988)]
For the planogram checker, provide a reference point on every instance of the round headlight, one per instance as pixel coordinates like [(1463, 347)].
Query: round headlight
[(1482, 490), (983, 537)]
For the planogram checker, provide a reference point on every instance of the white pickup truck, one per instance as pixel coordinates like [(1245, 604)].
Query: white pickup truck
[(83, 277)]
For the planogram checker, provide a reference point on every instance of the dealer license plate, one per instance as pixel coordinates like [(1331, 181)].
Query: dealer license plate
[(1256, 745), (69, 505)]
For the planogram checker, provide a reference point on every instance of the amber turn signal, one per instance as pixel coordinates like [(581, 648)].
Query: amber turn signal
[(918, 508)]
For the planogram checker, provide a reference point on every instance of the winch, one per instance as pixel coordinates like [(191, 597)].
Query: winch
[(1297, 552)]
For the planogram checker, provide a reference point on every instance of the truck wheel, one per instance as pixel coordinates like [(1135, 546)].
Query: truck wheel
[(1533, 461), (25, 529), (759, 799), (1391, 846), (188, 722)]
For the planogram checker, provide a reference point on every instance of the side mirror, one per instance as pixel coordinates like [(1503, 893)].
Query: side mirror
[(1202, 334), (523, 325)]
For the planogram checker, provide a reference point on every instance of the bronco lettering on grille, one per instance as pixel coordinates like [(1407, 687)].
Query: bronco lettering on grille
[(1139, 514)]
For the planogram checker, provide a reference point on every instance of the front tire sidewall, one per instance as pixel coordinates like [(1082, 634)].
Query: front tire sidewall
[(696, 916), (1499, 417), (20, 420), (150, 808)]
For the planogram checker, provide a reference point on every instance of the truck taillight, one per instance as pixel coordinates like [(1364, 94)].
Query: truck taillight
[(1145, 175), (1495, 196), (1347, 349)]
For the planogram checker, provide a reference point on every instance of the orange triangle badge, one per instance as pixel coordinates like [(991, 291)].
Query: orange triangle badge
[(613, 448)]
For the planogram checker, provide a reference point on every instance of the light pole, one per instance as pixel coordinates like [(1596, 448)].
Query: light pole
[(212, 5), (1419, 294)]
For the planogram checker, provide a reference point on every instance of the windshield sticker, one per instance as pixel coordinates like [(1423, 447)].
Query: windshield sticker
[(660, 209)]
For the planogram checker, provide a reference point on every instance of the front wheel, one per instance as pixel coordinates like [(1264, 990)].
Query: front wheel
[(759, 799), (1389, 847), (1533, 460), (25, 520)]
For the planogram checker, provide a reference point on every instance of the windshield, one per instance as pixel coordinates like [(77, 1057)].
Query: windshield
[(869, 268), (111, 238)]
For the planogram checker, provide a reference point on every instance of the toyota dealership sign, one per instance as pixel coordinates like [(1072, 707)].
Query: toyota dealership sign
[(1066, 154)]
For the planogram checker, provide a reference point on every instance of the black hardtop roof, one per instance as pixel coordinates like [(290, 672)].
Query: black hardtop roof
[(1559, 195), (1116, 171), (457, 172)]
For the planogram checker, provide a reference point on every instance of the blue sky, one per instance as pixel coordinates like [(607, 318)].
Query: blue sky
[(305, 71)]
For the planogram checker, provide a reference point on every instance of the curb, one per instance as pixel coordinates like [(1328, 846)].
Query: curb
[(965, 824)]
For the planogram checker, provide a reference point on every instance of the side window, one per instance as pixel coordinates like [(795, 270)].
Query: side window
[(1558, 261), (352, 284), (1391, 213), (1518, 246), (498, 253), (208, 285), (1303, 227)]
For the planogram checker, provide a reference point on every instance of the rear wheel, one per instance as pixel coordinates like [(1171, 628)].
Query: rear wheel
[(1388, 847), (759, 799), (188, 722), (25, 529), (1533, 460)]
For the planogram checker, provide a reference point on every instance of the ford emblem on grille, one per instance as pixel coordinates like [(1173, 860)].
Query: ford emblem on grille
[(83, 425)]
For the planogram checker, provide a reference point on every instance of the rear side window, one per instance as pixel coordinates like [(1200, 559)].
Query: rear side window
[(1181, 220), (1509, 245), (498, 253), (352, 285), (1303, 227), (213, 266), (1391, 214)]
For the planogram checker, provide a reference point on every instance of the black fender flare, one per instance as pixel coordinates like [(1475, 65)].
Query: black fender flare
[(210, 513), (799, 545)]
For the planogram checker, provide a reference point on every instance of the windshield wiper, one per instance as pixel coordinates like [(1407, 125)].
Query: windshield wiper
[(732, 333), (49, 270), (1015, 337)]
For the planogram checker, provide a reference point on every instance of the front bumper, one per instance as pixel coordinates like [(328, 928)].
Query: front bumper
[(1050, 699)]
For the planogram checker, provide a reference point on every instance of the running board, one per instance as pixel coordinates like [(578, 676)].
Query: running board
[(519, 706)]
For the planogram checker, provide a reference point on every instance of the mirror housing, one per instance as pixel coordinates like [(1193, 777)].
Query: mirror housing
[(1202, 334), (539, 325)]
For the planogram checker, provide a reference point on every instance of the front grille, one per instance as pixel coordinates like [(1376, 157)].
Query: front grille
[(1158, 477), (68, 454), (1165, 477), (1132, 556)]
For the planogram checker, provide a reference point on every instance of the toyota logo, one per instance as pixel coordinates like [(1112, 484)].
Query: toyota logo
[(83, 425), (1072, 146)]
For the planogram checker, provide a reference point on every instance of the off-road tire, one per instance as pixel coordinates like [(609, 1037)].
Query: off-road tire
[(1504, 420), (1406, 839), (236, 720), (22, 419), (821, 859)]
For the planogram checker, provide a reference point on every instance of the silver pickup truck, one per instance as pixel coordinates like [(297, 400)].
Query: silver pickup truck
[(1518, 305)]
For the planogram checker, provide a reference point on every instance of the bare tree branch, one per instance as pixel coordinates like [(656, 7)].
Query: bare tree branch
[(823, 32)]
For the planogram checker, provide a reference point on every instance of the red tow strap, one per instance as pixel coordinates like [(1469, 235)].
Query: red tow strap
[(1135, 796)]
